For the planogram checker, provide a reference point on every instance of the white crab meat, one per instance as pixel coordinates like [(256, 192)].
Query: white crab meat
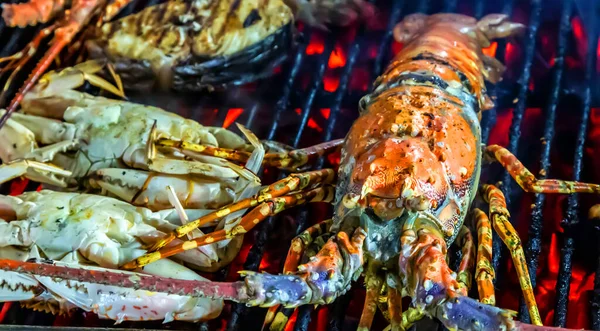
[(104, 230)]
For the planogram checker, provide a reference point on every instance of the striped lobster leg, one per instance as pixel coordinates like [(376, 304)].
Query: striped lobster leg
[(267, 208)]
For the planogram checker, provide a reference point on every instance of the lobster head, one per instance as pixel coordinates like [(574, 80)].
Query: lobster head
[(398, 174)]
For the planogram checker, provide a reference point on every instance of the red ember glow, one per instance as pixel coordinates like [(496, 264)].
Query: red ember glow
[(372, 51), (5, 307), (337, 58), (580, 37), (313, 125), (491, 50), (325, 112), (316, 45), (360, 79), (18, 185), (232, 115), (331, 83), (598, 56), (511, 56), (396, 47)]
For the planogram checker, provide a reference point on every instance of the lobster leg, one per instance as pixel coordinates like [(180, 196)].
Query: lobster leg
[(374, 284), (30, 13), (277, 320), (527, 180), (465, 240), (390, 305), (78, 16), (484, 272), (249, 221), (291, 160), (509, 236), (282, 187)]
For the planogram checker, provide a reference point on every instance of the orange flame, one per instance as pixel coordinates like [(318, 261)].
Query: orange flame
[(337, 59), (232, 115), (491, 49)]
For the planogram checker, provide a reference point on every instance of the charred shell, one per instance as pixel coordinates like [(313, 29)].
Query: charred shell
[(197, 45)]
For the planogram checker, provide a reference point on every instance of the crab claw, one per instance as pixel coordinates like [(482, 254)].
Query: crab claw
[(143, 188), (435, 290)]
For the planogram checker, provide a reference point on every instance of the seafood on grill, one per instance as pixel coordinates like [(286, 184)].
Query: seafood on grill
[(94, 232), (197, 45), (180, 45), (408, 176), (99, 143)]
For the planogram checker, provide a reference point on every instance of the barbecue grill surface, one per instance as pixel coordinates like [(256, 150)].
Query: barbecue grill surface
[(544, 112)]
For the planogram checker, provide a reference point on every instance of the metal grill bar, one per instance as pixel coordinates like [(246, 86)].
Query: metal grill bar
[(519, 110), (450, 6), (572, 218), (316, 84), (533, 247), (382, 52), (489, 117), (282, 103)]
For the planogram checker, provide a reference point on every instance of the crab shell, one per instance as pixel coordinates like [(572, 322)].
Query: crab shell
[(197, 45), (104, 230), (109, 139)]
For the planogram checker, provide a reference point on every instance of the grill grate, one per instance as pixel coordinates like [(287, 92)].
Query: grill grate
[(296, 87)]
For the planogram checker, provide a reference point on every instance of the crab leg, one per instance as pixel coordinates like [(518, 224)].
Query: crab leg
[(499, 215), (36, 171), (113, 9), (292, 183), (291, 160), (297, 249), (249, 221), (527, 180), (319, 281), (76, 18), (30, 13), (484, 272), (465, 240)]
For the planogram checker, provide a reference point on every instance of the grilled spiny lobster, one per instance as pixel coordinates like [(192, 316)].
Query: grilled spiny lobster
[(408, 176), (184, 45)]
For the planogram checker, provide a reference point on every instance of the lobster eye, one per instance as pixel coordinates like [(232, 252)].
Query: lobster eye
[(252, 18)]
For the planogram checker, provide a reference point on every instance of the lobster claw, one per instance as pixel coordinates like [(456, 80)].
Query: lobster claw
[(435, 290), (464, 313)]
